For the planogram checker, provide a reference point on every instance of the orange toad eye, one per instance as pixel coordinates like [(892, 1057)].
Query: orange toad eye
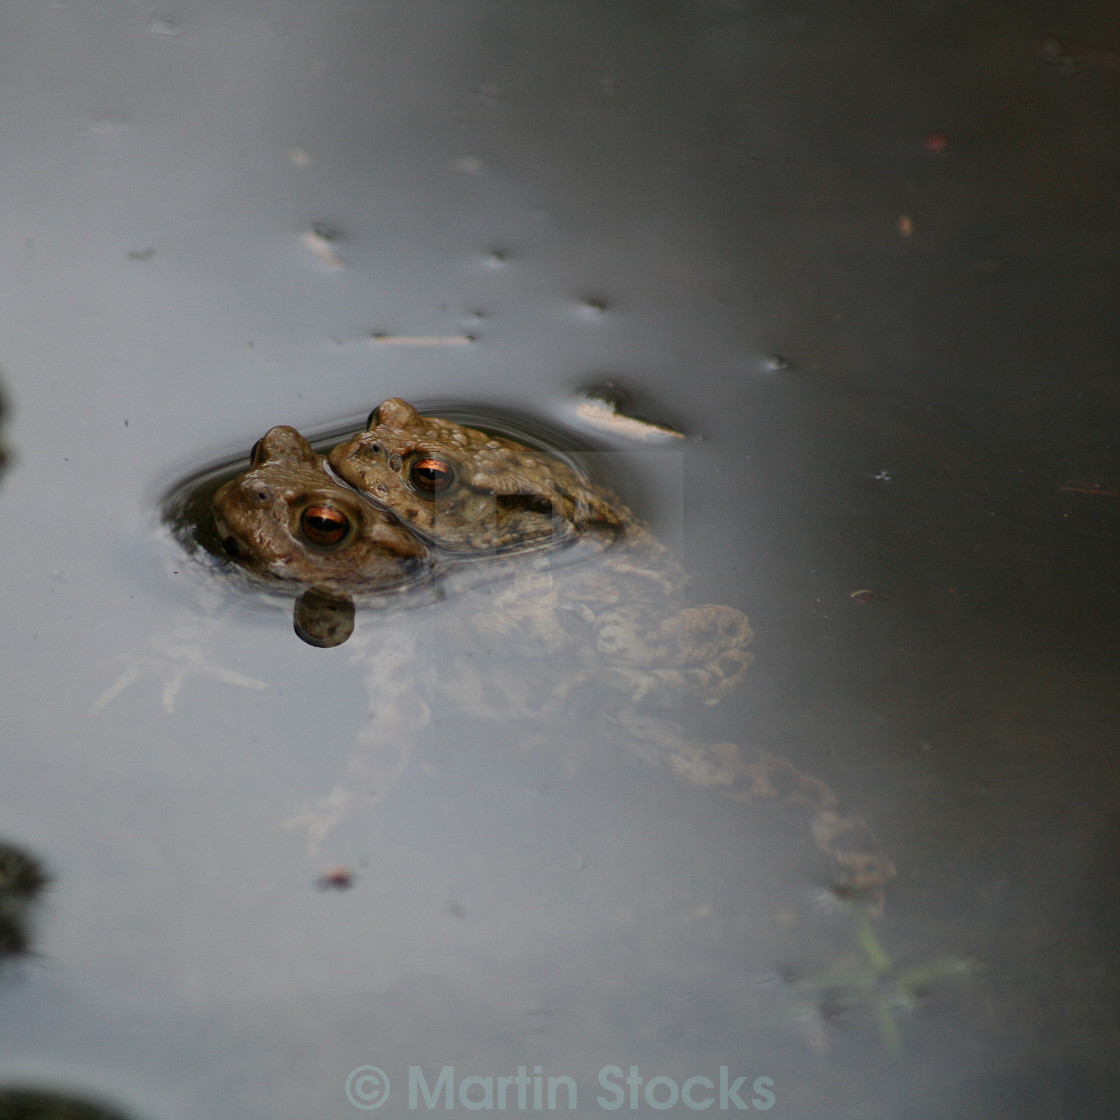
[(431, 475), (324, 524)]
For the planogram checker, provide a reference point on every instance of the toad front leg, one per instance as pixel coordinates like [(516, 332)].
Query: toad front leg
[(172, 658), (384, 746)]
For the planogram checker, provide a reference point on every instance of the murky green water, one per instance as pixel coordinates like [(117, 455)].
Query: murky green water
[(890, 361)]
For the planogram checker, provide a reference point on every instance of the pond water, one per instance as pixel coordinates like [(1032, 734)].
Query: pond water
[(864, 262)]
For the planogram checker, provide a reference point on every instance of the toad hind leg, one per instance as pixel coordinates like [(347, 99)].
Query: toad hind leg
[(859, 868)]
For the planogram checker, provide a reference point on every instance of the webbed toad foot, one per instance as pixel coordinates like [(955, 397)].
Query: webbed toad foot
[(172, 659)]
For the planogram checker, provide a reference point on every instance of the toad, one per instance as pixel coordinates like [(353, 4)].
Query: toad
[(287, 520), (557, 599)]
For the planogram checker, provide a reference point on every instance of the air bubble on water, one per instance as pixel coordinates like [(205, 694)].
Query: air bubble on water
[(469, 165), (593, 308), (775, 363), (497, 258), (165, 27)]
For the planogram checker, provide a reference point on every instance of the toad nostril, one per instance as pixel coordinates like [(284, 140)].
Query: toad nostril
[(233, 549)]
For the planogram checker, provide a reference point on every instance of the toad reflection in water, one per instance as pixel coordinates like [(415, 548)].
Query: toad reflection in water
[(556, 600)]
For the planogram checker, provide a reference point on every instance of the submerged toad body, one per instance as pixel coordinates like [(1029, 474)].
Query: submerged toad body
[(556, 599)]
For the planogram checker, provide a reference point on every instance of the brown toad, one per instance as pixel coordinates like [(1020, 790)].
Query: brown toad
[(574, 577), (556, 599), (288, 520)]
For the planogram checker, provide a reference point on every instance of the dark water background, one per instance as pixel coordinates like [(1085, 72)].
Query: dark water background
[(667, 195)]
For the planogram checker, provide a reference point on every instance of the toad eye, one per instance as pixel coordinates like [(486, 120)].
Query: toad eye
[(324, 525), (431, 475)]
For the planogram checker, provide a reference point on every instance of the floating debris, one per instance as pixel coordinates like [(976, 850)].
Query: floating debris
[(1098, 488), (321, 239), (863, 595), (165, 27), (1067, 57), (422, 339), (935, 142), (905, 225), (600, 408), (337, 878)]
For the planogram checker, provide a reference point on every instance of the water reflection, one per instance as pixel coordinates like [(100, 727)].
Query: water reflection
[(323, 618), (503, 584)]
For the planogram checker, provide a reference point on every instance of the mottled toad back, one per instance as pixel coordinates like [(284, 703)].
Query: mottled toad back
[(469, 491), (616, 610)]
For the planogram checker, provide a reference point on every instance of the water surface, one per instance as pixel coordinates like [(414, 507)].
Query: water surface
[(670, 197)]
